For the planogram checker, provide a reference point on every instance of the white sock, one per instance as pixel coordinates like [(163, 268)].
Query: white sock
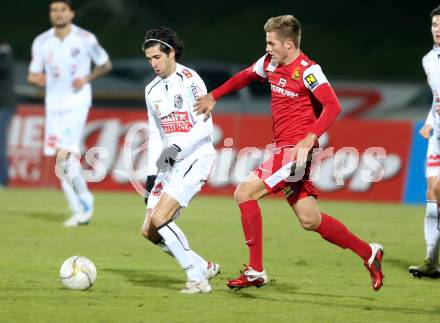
[(177, 243), (202, 263), (71, 196), (432, 231), (161, 244), (73, 173)]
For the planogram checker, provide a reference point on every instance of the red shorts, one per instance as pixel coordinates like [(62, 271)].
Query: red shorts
[(276, 174)]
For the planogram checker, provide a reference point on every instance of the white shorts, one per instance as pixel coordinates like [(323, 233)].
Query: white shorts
[(183, 181), (64, 128), (433, 157)]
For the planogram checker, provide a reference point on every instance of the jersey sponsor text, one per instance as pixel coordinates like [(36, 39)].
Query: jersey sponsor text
[(176, 122)]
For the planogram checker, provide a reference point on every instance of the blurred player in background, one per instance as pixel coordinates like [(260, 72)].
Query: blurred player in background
[(180, 154), (303, 106), (61, 63), (7, 107), (431, 65)]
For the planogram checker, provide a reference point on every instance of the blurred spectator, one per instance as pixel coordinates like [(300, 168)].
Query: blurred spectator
[(7, 107)]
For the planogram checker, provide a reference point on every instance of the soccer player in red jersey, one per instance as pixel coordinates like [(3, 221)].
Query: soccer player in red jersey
[(303, 106)]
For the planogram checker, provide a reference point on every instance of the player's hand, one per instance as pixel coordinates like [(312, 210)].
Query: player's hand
[(168, 156), (425, 131), (205, 104), (39, 79), (149, 184), (78, 83), (301, 151)]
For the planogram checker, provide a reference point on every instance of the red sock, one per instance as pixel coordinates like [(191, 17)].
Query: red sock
[(252, 228), (337, 233)]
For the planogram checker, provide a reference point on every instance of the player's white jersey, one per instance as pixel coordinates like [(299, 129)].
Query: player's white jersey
[(64, 60), (431, 65), (171, 118)]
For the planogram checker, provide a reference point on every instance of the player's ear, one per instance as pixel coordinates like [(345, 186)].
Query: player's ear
[(172, 53), (289, 44)]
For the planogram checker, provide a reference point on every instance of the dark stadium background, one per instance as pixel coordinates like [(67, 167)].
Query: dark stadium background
[(375, 40)]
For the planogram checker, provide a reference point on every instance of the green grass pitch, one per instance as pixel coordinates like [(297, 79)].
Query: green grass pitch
[(310, 279)]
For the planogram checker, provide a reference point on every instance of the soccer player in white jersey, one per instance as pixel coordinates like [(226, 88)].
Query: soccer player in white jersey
[(431, 65), (61, 63), (180, 154)]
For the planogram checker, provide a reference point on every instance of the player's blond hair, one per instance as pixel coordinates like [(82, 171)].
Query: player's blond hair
[(286, 27)]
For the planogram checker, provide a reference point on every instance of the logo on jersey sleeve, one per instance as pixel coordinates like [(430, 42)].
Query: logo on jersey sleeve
[(196, 91), (178, 101), (186, 73), (312, 81), (296, 74), (304, 63)]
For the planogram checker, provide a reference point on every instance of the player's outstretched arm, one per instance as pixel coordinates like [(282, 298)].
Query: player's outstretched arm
[(205, 104)]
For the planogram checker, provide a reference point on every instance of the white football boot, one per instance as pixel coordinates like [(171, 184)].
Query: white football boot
[(212, 270), (196, 287), (81, 218)]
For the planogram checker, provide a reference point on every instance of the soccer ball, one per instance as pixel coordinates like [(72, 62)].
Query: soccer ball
[(78, 273)]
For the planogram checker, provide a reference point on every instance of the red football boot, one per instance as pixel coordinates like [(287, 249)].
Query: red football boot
[(249, 277), (374, 265)]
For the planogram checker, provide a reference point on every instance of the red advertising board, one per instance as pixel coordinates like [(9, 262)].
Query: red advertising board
[(115, 154), (393, 138)]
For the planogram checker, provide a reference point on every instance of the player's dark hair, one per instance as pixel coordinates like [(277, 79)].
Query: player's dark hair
[(286, 27), (67, 2), (435, 12), (165, 35)]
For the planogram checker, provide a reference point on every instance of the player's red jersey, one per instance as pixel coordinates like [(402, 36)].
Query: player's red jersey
[(299, 91)]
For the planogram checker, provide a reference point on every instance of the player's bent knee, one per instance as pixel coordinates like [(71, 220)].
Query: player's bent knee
[(309, 225), (144, 230), (244, 193), (61, 162), (151, 237), (241, 195), (309, 221), (436, 191), (158, 219), (145, 234), (430, 195), (62, 155), (150, 234)]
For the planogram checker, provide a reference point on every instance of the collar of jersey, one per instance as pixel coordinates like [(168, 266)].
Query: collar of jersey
[(169, 78)]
